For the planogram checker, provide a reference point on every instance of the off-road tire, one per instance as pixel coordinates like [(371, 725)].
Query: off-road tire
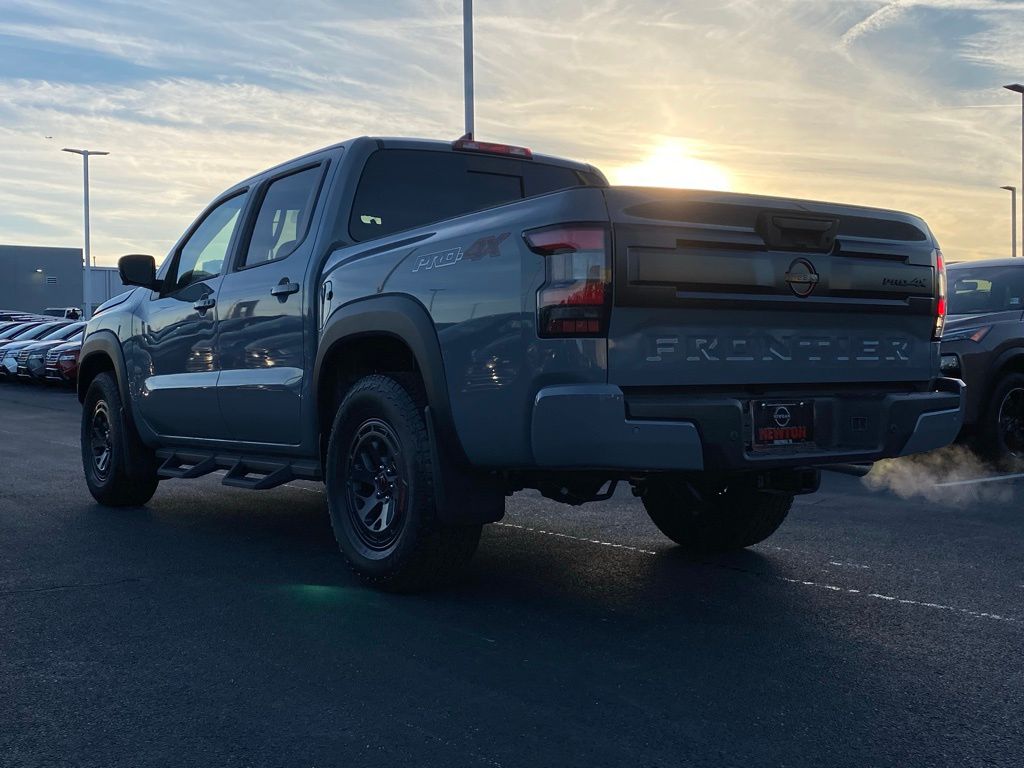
[(713, 519), (991, 442), (127, 476), (420, 552)]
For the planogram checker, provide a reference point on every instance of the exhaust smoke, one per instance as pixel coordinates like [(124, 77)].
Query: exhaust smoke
[(922, 475)]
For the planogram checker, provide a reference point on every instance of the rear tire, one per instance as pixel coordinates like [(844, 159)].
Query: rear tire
[(1001, 437), (713, 519), (379, 478), (119, 470)]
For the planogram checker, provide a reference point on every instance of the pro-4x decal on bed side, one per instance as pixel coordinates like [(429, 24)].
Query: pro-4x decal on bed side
[(438, 259), (489, 245)]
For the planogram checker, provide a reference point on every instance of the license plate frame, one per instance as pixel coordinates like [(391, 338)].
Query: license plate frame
[(781, 423)]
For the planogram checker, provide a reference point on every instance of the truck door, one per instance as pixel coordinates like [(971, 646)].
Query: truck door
[(175, 351), (262, 307)]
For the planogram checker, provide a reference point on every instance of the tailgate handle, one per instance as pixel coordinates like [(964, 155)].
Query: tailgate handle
[(785, 232)]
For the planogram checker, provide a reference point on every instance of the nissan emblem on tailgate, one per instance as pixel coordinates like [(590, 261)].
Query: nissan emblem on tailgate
[(801, 277)]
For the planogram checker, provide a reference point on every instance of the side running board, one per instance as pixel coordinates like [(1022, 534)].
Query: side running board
[(256, 473), (244, 475), (178, 467)]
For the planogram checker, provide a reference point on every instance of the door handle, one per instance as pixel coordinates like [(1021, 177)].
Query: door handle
[(204, 304), (284, 289)]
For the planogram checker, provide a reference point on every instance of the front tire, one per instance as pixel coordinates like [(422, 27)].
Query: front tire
[(379, 477), (713, 518), (119, 470)]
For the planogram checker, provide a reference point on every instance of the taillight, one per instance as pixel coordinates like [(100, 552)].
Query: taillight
[(576, 295), (940, 295)]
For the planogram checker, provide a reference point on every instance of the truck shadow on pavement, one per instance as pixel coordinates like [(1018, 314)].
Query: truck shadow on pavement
[(285, 537)]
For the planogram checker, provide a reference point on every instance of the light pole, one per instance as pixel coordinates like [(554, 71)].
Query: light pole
[(87, 282), (1013, 219), (1018, 88), (467, 54)]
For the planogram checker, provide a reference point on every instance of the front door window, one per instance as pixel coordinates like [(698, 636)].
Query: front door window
[(202, 256)]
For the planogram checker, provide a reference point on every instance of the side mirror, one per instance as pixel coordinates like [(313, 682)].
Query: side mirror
[(138, 269)]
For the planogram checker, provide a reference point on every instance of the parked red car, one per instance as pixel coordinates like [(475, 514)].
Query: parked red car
[(62, 362)]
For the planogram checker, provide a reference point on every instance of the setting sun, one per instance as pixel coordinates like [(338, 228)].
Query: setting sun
[(672, 164)]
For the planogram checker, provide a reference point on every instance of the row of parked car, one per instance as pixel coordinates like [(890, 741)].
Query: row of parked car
[(39, 348)]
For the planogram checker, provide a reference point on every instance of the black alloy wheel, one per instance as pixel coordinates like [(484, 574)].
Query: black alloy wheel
[(1011, 422), (377, 490), (101, 443)]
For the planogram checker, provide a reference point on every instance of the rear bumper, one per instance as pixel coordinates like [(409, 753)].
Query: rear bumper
[(597, 426), (976, 366)]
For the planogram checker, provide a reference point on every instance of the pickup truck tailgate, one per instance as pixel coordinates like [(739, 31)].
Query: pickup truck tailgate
[(714, 289)]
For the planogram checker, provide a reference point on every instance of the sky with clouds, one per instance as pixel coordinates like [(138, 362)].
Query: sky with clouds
[(895, 104)]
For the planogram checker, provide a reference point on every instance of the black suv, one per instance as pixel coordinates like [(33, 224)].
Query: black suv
[(983, 344)]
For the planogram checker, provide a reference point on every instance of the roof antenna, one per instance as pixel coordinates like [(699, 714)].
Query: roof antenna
[(467, 51)]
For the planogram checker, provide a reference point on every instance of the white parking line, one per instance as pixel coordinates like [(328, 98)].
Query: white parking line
[(992, 479), (849, 565), (577, 538), (801, 582)]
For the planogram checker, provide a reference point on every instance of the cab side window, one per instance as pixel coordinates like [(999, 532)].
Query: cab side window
[(283, 218), (203, 254)]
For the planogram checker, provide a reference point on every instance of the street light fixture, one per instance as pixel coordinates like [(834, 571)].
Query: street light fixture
[(1018, 88), (1013, 218), (87, 283)]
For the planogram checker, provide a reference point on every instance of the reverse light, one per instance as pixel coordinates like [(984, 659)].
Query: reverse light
[(940, 295), (576, 295), (470, 145)]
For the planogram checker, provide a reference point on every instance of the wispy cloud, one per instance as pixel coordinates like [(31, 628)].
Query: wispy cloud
[(875, 21)]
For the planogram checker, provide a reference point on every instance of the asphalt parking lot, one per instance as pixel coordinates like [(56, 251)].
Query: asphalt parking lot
[(218, 627)]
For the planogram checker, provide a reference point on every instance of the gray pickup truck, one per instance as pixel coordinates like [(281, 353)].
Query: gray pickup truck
[(429, 327)]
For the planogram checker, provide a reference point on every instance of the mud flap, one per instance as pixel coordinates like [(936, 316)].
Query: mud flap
[(463, 497)]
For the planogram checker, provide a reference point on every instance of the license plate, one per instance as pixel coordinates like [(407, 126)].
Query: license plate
[(782, 422)]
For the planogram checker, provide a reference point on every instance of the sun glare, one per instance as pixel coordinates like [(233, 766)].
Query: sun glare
[(673, 165)]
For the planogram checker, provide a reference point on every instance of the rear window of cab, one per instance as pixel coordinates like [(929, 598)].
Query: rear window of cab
[(405, 188)]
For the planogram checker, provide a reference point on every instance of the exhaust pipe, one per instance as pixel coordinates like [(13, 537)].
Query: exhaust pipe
[(857, 470)]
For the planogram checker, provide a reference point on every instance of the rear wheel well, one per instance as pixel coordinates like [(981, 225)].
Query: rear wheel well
[(90, 368), (349, 360), (1014, 365)]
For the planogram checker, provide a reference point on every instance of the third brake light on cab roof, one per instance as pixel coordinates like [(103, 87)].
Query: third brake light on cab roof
[(484, 147)]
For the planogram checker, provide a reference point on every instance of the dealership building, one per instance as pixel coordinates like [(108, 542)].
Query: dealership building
[(33, 278)]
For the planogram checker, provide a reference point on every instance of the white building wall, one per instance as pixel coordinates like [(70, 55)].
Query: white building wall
[(106, 283)]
